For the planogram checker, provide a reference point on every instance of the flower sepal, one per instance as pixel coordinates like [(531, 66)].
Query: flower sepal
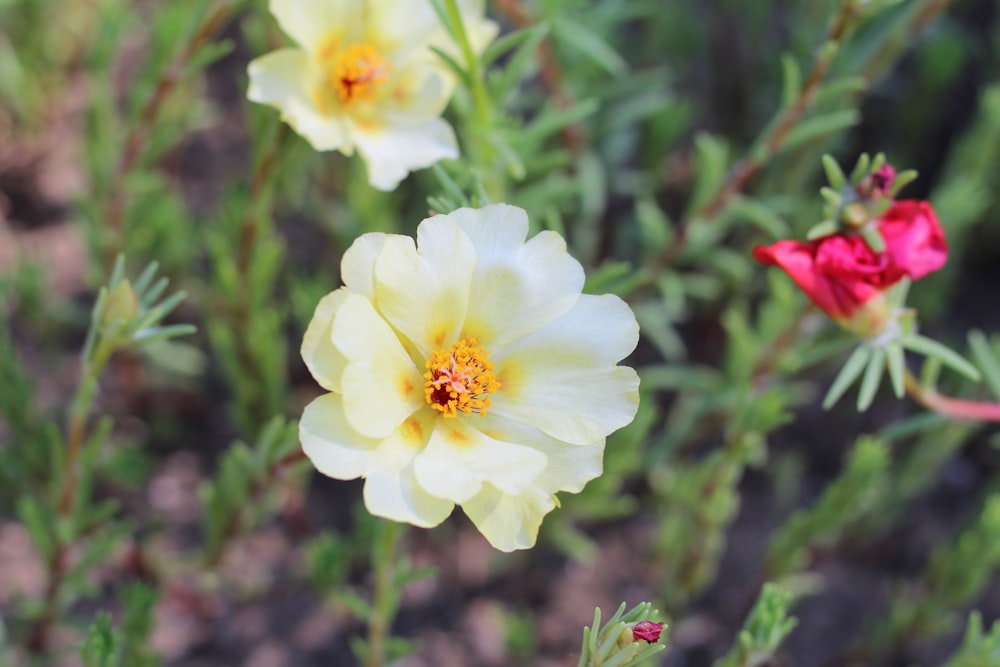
[(854, 204), (885, 351)]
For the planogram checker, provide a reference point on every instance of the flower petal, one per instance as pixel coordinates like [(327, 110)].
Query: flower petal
[(283, 79), (511, 521), (518, 287), (335, 448), (396, 495), (339, 451), (357, 267), (914, 239), (838, 295), (424, 291), (561, 379), (568, 468), (400, 20), (459, 458), (508, 522), (311, 24), (323, 360), (397, 145), (381, 385)]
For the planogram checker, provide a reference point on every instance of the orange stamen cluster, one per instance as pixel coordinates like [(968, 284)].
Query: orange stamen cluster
[(358, 72), (460, 379)]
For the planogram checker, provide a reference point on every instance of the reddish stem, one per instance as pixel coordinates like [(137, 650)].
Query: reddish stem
[(957, 408), (746, 170), (138, 136), (551, 74)]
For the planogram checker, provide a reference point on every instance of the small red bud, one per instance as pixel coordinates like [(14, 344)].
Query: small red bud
[(647, 631), (883, 178)]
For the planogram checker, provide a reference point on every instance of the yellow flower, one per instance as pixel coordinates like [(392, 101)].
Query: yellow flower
[(363, 76), (467, 369)]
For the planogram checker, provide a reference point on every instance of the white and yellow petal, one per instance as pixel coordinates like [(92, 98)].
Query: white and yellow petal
[(322, 358), (423, 290), (285, 79), (518, 287), (381, 385), (337, 450), (316, 24), (399, 21), (562, 378), (511, 521), (459, 459), (357, 266), (398, 145), (508, 522)]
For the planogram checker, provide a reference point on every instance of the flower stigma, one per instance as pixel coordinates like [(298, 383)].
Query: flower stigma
[(357, 73), (460, 379)]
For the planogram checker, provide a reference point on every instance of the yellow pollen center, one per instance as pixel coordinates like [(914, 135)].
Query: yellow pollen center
[(357, 73), (460, 379)]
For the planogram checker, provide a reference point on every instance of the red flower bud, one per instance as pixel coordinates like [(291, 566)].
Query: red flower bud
[(841, 273), (883, 178), (647, 631)]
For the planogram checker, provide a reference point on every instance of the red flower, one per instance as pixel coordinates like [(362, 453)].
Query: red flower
[(840, 273), (913, 238), (647, 631)]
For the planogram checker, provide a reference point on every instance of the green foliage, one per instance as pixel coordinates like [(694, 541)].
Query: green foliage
[(763, 631), (126, 646), (977, 649), (661, 145), (393, 572), (850, 496), (955, 574), (235, 499)]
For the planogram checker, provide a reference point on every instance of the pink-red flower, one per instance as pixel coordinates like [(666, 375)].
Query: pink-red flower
[(647, 631), (840, 273), (914, 240)]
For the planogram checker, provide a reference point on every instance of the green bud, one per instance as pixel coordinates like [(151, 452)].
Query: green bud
[(855, 215), (122, 304)]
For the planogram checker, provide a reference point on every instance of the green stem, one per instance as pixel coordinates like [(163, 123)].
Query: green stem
[(480, 96), (388, 537), (482, 121), (956, 408), (77, 429)]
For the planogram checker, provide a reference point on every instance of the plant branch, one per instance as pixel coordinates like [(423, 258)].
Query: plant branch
[(138, 136), (770, 143), (386, 595), (550, 72), (258, 487), (956, 408)]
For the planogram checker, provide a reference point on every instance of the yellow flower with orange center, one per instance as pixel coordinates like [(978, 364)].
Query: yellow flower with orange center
[(363, 77), (467, 369)]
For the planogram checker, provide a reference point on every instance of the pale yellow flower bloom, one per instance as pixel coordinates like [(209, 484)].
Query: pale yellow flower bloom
[(467, 369), (363, 76)]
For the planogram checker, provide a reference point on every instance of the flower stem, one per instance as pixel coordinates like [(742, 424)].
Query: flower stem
[(388, 537), (77, 428), (956, 408), (483, 113)]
